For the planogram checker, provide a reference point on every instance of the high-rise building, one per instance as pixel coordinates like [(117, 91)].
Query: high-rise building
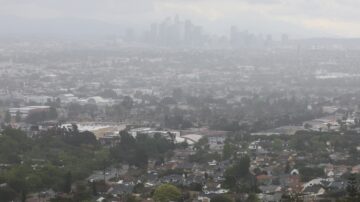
[(154, 32), (284, 38), (234, 36), (129, 35), (175, 32)]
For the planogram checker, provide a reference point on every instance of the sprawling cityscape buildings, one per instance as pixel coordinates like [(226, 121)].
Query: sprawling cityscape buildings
[(107, 121), (182, 33), (173, 112)]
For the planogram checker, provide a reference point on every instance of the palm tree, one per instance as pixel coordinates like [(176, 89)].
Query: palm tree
[(328, 126)]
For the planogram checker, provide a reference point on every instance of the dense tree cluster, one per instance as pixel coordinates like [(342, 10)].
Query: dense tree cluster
[(221, 198), (36, 117), (53, 161), (353, 189), (137, 150), (166, 192), (76, 110), (238, 177), (120, 111)]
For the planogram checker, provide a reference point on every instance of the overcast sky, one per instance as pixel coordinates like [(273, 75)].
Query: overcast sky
[(312, 18)]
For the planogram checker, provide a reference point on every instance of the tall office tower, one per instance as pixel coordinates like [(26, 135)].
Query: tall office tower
[(154, 33), (234, 36), (176, 31), (165, 31), (284, 38), (197, 35), (188, 32), (129, 35), (268, 40)]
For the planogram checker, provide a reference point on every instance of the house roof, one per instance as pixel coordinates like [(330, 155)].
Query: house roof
[(270, 188), (264, 177), (120, 189)]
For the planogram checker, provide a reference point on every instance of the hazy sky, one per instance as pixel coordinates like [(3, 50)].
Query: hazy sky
[(298, 17)]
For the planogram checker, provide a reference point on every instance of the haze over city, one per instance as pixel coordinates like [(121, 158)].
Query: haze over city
[(179, 101), (300, 18)]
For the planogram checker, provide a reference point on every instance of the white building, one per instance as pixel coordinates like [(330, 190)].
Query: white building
[(216, 142), (25, 111)]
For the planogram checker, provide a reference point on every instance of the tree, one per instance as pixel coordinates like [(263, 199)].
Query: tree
[(74, 128), (291, 198), (239, 174), (82, 138), (52, 113), (277, 145), (308, 173), (242, 167), (125, 151), (168, 101), (137, 151), (67, 182), (108, 93), (39, 116), (328, 125), (228, 151), (16, 178), (206, 176), (166, 193), (93, 187), (82, 192), (238, 177), (18, 116), (131, 198), (127, 102), (184, 144), (74, 110), (7, 118), (23, 196), (90, 109), (287, 167), (141, 158), (7, 194), (81, 158), (253, 198), (221, 198), (352, 189), (139, 188), (307, 126)]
